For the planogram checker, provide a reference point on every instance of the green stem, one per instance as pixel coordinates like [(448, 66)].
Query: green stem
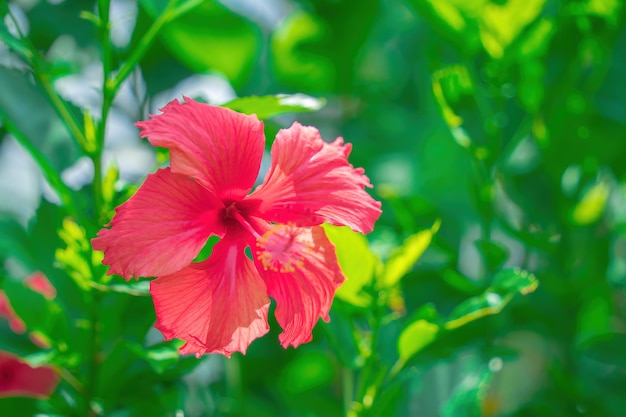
[(49, 172), (347, 380), (93, 364), (234, 387), (169, 14), (107, 101), (60, 106)]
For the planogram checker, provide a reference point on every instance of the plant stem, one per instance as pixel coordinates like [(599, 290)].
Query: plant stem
[(170, 13), (104, 31), (93, 365), (347, 380)]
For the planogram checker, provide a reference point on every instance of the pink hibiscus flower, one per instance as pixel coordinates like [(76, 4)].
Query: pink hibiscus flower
[(220, 305), (19, 379)]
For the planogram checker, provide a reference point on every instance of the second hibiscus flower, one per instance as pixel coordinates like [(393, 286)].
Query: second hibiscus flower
[(220, 305)]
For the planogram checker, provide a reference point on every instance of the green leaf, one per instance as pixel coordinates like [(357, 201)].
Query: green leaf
[(76, 257), (137, 288), (591, 205), (292, 58), (266, 107), (357, 262), (505, 285), (461, 283), (607, 348), (415, 337), (38, 313), (41, 128), (308, 371), (210, 38), (160, 357), (13, 240), (403, 258), (494, 253)]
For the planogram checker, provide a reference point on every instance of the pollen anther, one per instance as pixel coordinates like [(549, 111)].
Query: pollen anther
[(282, 248)]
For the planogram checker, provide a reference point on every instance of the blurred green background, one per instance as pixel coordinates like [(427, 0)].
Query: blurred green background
[(504, 119)]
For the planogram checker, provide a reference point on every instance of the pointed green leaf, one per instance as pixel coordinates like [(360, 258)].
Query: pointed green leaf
[(415, 337), (38, 313), (210, 38), (494, 253), (403, 258), (357, 262), (266, 107), (160, 357), (505, 285)]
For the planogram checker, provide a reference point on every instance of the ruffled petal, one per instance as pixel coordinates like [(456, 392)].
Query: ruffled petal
[(160, 229), (218, 147), (19, 379), (310, 182), (216, 306), (300, 268)]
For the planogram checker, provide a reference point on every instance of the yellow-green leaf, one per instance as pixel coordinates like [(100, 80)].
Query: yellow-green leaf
[(591, 205), (357, 262), (266, 107), (505, 285), (403, 258), (415, 337)]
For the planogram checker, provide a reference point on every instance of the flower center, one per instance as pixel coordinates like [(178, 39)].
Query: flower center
[(283, 247), (233, 212)]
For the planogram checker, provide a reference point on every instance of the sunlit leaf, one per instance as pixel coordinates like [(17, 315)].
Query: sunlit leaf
[(591, 205), (266, 107), (608, 9), (108, 186), (160, 357), (138, 288), (455, 23), (536, 41), (502, 23), (403, 258), (74, 257), (357, 262), (505, 285), (296, 64), (210, 38), (415, 337)]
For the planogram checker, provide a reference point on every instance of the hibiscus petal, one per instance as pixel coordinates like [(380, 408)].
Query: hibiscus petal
[(216, 306), (310, 182), (299, 267), (218, 147), (19, 379), (160, 229)]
